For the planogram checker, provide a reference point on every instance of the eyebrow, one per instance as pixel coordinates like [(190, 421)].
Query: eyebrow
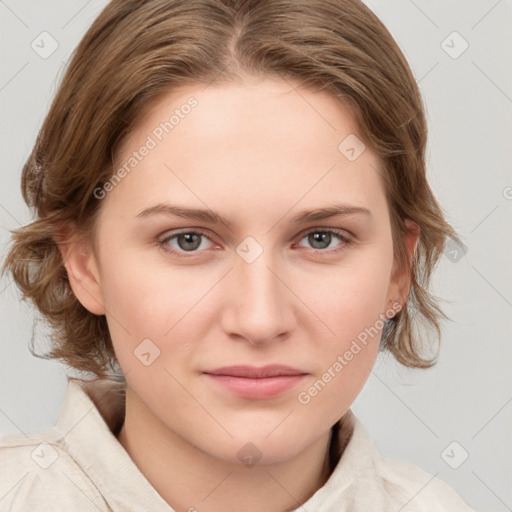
[(207, 215)]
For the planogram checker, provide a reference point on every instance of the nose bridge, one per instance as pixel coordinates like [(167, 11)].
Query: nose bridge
[(260, 308)]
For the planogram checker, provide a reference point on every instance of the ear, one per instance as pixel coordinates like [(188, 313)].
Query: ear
[(82, 269), (400, 282)]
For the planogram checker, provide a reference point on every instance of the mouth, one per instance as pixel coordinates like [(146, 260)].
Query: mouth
[(256, 382)]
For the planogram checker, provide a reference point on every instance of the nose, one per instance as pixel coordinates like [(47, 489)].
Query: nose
[(258, 306)]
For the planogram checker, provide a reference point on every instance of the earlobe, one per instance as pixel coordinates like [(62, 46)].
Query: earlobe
[(82, 269)]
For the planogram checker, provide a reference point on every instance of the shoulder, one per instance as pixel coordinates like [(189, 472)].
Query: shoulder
[(38, 473), (387, 484), (417, 489)]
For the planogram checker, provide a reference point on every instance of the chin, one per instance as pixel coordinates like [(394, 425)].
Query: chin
[(255, 446)]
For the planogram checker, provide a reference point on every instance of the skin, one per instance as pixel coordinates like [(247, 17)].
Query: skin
[(258, 153)]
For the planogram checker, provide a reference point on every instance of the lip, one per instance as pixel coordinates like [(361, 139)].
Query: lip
[(256, 382)]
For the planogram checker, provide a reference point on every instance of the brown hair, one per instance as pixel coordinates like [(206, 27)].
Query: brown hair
[(135, 51)]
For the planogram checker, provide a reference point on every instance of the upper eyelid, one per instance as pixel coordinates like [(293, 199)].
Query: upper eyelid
[(172, 233)]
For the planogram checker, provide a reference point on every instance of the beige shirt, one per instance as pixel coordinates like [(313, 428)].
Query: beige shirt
[(79, 465)]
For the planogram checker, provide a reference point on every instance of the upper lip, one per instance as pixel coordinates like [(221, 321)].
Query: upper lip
[(254, 372)]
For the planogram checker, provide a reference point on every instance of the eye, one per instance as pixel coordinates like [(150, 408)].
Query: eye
[(191, 242), (184, 242), (321, 239)]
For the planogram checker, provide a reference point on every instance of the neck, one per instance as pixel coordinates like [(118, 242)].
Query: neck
[(190, 479)]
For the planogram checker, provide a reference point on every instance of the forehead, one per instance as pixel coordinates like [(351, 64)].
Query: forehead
[(278, 113), (267, 143)]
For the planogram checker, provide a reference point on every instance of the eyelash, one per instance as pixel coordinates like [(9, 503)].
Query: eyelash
[(344, 238)]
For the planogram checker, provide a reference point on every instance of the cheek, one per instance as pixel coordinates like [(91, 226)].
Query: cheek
[(164, 304), (350, 298), (350, 303), (345, 359), (150, 299)]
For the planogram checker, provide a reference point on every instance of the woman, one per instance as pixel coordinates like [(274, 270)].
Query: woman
[(232, 219)]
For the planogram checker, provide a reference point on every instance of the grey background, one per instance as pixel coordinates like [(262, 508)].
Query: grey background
[(411, 415)]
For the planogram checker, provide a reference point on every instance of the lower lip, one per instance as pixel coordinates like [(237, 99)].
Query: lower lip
[(257, 388)]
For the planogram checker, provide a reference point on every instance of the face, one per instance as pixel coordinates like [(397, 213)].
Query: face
[(201, 304)]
